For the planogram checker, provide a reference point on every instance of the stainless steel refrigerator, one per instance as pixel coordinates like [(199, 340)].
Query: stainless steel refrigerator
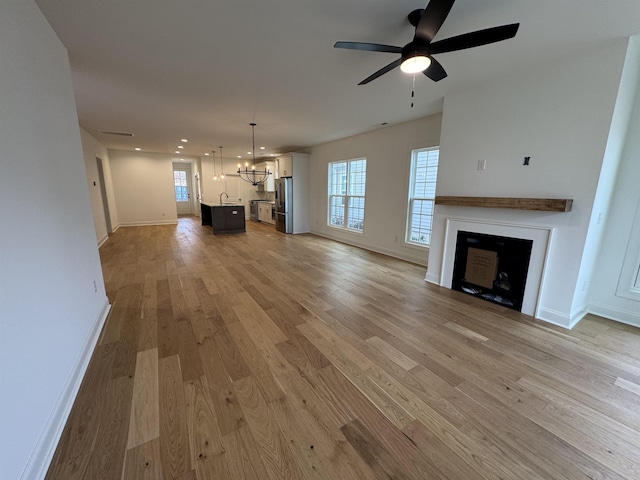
[(284, 204)]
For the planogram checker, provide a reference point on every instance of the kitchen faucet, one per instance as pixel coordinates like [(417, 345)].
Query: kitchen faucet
[(223, 193)]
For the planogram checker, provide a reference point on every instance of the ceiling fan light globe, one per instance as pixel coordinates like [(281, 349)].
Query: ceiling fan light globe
[(418, 63)]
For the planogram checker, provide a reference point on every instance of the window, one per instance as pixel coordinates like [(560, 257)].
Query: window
[(346, 194), (422, 192), (180, 183)]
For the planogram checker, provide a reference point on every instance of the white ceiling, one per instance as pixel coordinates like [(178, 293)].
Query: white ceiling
[(204, 69)]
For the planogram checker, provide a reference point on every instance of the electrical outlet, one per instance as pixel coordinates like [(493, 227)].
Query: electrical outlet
[(95, 287), (482, 164), (526, 161)]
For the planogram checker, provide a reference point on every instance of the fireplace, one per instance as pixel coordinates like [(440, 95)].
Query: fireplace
[(542, 240), (492, 267)]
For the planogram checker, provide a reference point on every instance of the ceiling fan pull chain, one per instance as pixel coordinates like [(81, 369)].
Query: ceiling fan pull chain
[(413, 89)]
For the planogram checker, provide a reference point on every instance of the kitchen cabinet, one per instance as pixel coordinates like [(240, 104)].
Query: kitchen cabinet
[(265, 212), (269, 184), (292, 165), (223, 218)]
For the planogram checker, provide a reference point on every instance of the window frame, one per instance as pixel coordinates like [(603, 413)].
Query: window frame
[(347, 193), (413, 198)]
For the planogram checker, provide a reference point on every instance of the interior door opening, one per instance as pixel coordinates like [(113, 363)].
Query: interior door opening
[(182, 188)]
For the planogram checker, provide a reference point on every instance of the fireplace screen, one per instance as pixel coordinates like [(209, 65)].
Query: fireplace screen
[(492, 267)]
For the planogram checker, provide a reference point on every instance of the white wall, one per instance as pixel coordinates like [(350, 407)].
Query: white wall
[(91, 149), (50, 312), (606, 192), (621, 240), (388, 154), (559, 116), (143, 187)]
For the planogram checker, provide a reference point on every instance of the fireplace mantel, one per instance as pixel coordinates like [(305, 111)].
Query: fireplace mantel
[(542, 204)]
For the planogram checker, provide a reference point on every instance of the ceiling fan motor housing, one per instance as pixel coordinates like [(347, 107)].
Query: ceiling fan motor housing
[(414, 49)]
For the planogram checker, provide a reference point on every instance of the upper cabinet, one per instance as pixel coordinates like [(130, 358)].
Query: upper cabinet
[(269, 184), (286, 164)]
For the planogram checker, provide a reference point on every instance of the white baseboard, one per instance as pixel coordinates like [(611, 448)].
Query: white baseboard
[(558, 318), (103, 240), (150, 222), (431, 278), (418, 259), (616, 314), (42, 454)]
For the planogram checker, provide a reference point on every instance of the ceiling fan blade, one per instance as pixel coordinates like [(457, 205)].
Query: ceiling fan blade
[(435, 13), (371, 47), (435, 71), (474, 39), (381, 72)]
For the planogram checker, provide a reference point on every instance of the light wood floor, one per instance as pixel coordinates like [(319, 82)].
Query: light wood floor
[(271, 356)]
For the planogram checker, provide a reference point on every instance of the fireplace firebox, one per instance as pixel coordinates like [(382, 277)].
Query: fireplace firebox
[(492, 267)]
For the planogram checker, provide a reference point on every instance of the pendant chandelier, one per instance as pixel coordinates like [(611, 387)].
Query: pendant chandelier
[(217, 178), (251, 175), (221, 165), (215, 175)]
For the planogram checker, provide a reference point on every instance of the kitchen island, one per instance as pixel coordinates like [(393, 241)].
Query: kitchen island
[(225, 218)]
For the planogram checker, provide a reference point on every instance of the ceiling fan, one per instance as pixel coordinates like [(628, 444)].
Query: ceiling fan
[(417, 55)]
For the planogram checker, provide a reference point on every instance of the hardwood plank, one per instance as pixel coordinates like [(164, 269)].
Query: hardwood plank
[(174, 435), (143, 462), (108, 453), (190, 361), (222, 395), (207, 451), (245, 462), (275, 453), (144, 423), (74, 447), (627, 385), (384, 463)]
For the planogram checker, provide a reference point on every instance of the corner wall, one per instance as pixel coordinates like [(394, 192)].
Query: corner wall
[(52, 296)]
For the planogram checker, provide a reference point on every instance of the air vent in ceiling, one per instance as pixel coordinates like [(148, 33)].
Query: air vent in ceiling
[(111, 132)]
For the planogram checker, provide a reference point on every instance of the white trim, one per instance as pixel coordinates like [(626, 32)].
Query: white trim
[(558, 318), (42, 454), (422, 260), (619, 315), (103, 240), (145, 224), (540, 235), (431, 278)]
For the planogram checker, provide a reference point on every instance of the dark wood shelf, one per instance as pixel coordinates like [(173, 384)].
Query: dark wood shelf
[(541, 204)]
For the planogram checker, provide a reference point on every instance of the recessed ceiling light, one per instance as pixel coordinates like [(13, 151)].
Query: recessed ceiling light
[(206, 153), (137, 149), (182, 159), (239, 156), (263, 148), (180, 146), (184, 140), (177, 151)]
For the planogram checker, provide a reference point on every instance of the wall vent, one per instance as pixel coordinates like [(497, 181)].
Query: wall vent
[(111, 132)]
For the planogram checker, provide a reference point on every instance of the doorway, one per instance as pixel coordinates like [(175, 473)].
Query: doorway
[(182, 187)]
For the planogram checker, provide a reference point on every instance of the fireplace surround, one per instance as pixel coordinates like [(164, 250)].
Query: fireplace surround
[(541, 238)]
